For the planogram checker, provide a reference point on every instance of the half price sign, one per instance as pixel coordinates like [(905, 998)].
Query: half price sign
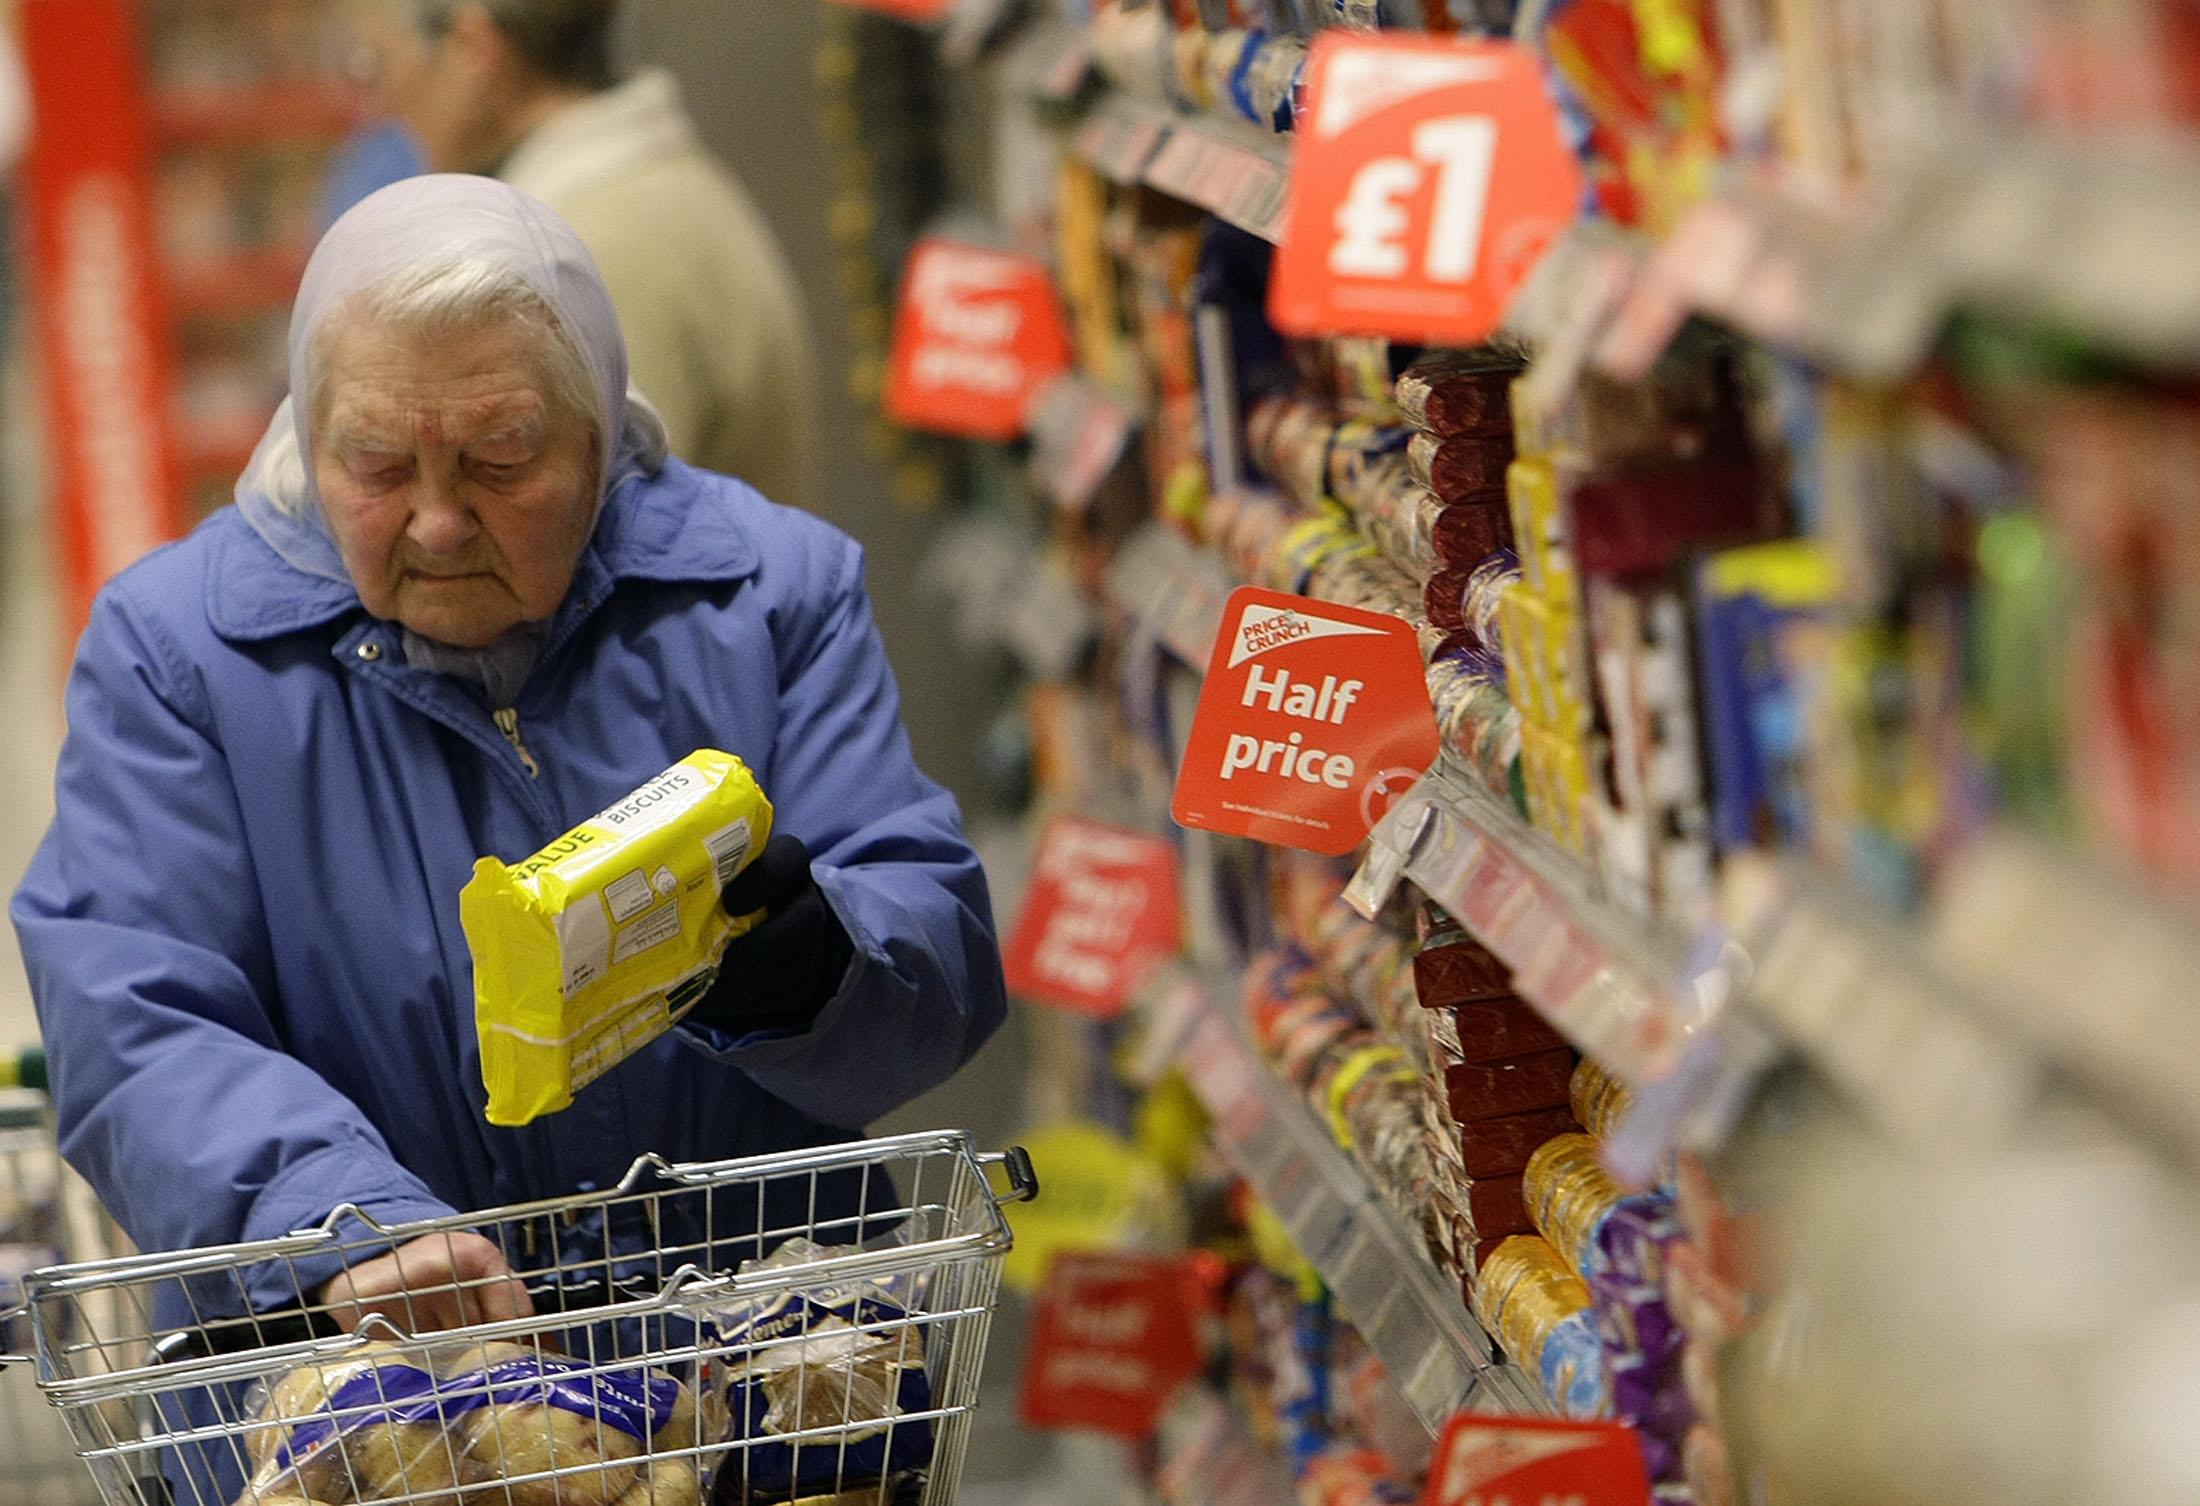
[(1114, 1337), (978, 334), (1313, 719), (1101, 912), (1527, 1461), (1431, 177)]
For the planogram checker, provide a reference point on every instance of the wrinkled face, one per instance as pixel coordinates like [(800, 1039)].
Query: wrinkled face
[(459, 493)]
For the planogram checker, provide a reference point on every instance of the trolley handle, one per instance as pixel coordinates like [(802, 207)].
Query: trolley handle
[(1023, 1181)]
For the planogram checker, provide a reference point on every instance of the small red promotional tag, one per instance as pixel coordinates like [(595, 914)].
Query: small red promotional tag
[(1102, 910), (977, 335), (1113, 1338), (907, 10), (1314, 718), (1431, 176), (1530, 1461)]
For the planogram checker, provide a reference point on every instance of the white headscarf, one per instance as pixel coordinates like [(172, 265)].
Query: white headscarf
[(423, 223)]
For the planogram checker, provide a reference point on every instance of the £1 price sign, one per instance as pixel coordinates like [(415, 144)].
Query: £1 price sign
[(1431, 176), (978, 334), (1530, 1461), (1313, 719)]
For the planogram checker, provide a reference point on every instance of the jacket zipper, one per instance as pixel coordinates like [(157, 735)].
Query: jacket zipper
[(508, 723)]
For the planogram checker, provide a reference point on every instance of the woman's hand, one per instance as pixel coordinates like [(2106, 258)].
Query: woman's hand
[(442, 1281)]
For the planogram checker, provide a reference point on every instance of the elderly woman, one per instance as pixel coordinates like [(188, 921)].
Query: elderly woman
[(465, 600)]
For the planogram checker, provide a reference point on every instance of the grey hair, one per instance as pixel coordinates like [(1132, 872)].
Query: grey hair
[(443, 299)]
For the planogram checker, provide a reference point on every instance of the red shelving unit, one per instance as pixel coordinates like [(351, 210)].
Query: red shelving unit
[(173, 193)]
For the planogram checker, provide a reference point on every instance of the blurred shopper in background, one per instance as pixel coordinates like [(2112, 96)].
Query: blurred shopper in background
[(526, 90)]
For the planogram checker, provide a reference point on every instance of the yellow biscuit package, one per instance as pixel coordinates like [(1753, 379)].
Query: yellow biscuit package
[(598, 944)]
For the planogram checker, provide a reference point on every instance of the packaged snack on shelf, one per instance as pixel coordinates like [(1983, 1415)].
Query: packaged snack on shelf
[(1361, 451), (1462, 467), (1768, 644), (1524, 1293), (1654, 850), (595, 946), (1637, 1321), (1503, 1146), (1631, 1244), (1366, 1400), (1645, 522), (1599, 1099), (1493, 1090), (1497, 1206), (1571, 1366), (1570, 1194), (1496, 1029), (1455, 393), (1452, 968), (846, 1363)]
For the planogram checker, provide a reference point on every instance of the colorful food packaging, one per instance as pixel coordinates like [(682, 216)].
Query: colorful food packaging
[(391, 1421), (1504, 1146), (1462, 467), (1465, 392), (595, 946), (843, 1363), (1492, 1090)]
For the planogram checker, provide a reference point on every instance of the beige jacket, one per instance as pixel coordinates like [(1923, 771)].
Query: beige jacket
[(715, 328)]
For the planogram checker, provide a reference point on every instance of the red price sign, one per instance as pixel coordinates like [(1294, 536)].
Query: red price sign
[(1431, 176), (1314, 717), (1102, 910), (1113, 1339), (907, 10), (1526, 1461), (977, 335)]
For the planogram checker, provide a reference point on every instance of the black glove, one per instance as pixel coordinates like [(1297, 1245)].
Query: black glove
[(783, 972)]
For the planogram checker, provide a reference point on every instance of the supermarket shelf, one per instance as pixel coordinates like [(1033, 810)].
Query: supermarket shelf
[(1957, 1032), (1417, 1323), (1172, 590), (1620, 988), (2084, 236), (1234, 171), (208, 453), (1845, 985), (2023, 926), (1228, 168), (310, 110), (1121, 135), (247, 282)]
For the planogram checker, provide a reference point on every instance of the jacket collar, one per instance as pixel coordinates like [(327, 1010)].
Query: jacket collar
[(675, 526), (602, 138)]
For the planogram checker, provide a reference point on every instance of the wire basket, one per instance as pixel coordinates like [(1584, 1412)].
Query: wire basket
[(807, 1326)]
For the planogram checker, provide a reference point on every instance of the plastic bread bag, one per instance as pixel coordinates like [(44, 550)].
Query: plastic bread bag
[(842, 1366), (472, 1422), (595, 946)]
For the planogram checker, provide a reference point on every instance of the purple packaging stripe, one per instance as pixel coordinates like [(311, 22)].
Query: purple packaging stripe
[(1660, 1457), (1631, 1242), (1650, 1399), (636, 1406)]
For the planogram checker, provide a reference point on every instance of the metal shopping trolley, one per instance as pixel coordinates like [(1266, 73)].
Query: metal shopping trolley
[(807, 1326), (38, 1464)]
